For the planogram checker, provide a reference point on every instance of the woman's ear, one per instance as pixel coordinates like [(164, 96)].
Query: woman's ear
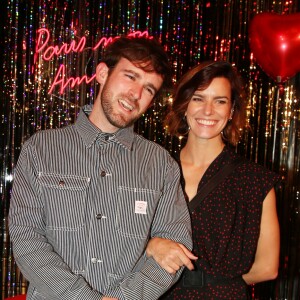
[(101, 72), (231, 113)]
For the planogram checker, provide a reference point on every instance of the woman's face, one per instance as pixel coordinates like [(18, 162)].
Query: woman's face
[(209, 110)]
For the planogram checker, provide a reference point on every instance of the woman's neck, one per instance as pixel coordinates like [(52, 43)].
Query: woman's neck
[(201, 152), (195, 157)]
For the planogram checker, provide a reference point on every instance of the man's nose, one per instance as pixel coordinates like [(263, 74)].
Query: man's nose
[(135, 92)]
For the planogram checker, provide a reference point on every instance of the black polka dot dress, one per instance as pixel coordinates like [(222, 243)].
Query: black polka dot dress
[(226, 228)]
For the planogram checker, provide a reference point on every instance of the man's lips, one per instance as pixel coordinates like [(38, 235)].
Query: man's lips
[(125, 105)]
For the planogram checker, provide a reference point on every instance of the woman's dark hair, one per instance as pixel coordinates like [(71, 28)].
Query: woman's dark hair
[(199, 78), (145, 53)]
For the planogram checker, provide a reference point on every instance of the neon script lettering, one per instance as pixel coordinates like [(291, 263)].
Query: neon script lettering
[(48, 52)]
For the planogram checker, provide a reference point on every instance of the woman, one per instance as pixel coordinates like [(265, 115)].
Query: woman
[(235, 226)]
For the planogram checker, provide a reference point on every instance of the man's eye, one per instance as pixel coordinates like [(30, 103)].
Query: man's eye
[(130, 76), (150, 91)]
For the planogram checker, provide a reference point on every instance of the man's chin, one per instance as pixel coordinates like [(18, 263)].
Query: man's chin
[(121, 123)]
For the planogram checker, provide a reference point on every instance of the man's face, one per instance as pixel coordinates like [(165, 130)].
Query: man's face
[(127, 91)]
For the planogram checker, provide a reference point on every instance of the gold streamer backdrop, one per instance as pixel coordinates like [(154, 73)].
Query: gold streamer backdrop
[(191, 32)]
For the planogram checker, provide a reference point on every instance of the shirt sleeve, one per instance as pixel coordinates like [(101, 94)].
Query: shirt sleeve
[(172, 221), (172, 218), (34, 255)]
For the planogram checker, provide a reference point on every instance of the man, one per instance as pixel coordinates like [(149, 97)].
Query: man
[(87, 198)]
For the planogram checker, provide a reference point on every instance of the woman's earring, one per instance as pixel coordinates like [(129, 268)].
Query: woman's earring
[(223, 136)]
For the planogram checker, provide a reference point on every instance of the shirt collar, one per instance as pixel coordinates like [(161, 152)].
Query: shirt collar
[(90, 133)]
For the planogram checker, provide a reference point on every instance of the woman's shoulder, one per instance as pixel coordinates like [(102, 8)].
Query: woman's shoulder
[(248, 169)]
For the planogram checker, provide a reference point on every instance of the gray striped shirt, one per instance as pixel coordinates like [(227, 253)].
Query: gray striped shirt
[(84, 205)]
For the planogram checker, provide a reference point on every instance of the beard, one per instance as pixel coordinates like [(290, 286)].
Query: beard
[(116, 119)]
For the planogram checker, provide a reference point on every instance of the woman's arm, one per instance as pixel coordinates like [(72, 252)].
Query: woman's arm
[(265, 266)]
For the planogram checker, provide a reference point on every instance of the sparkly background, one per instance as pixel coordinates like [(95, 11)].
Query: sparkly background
[(191, 31)]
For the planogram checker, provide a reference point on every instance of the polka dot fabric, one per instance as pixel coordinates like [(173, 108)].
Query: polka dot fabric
[(226, 228)]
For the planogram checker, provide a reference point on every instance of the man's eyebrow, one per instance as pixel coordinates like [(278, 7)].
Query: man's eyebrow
[(132, 72)]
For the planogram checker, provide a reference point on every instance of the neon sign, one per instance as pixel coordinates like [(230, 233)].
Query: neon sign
[(49, 52)]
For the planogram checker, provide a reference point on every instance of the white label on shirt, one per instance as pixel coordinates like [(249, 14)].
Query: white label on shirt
[(140, 207)]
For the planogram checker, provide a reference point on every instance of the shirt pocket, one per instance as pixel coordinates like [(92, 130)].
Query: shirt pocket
[(64, 197), (135, 211)]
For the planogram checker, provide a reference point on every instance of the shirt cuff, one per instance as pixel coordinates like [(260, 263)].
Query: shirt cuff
[(88, 293)]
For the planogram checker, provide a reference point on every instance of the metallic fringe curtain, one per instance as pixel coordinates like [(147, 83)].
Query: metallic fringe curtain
[(191, 32)]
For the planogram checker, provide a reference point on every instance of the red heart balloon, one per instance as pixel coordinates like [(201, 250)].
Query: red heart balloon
[(275, 43)]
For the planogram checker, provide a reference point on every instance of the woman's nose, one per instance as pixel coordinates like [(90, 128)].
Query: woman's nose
[(208, 108)]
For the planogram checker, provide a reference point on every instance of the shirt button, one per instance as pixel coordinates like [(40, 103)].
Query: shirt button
[(103, 173), (98, 216), (95, 260)]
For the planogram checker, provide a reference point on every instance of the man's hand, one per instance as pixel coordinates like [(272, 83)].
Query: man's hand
[(109, 298), (170, 255)]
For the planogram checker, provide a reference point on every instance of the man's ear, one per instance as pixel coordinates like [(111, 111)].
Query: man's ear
[(101, 72)]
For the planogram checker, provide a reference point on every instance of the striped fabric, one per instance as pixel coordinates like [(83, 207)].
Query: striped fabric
[(84, 205)]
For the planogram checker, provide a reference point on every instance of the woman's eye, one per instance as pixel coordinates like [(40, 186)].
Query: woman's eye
[(197, 99), (221, 101)]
